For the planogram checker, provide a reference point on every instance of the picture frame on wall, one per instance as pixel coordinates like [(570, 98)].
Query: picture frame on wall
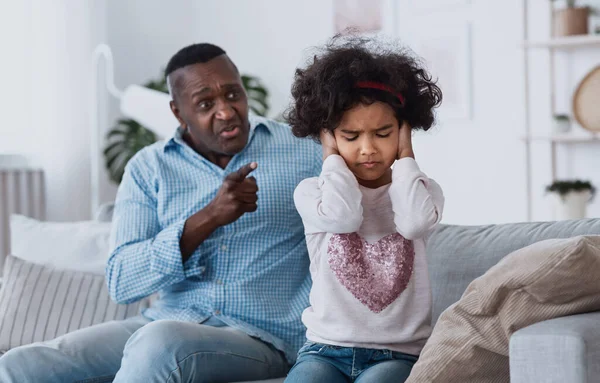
[(362, 16), (448, 58), (380, 22)]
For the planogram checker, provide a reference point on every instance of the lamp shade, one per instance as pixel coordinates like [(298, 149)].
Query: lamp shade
[(149, 108)]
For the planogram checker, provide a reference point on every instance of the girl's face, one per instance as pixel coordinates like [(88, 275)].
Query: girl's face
[(367, 139)]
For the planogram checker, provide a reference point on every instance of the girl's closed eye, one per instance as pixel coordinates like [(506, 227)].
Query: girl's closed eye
[(353, 138), (384, 132)]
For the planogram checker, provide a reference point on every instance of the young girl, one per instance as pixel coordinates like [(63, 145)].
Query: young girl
[(365, 223)]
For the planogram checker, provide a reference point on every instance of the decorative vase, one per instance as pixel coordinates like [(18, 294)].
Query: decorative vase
[(572, 205), (571, 21), (561, 126)]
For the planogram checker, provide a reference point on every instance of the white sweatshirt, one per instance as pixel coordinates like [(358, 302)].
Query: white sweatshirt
[(367, 248)]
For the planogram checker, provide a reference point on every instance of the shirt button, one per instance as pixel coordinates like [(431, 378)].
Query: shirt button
[(217, 312), (223, 247), (219, 282)]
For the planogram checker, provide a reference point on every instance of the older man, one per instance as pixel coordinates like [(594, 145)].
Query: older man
[(207, 220)]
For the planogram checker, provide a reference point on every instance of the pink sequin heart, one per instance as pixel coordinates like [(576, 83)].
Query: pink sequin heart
[(376, 274)]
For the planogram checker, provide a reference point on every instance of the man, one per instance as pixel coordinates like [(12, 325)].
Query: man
[(206, 219)]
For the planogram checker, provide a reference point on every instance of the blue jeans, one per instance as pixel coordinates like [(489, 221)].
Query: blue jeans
[(137, 350), (324, 363)]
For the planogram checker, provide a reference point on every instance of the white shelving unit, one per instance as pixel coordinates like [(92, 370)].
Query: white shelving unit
[(565, 138), (568, 43), (565, 43)]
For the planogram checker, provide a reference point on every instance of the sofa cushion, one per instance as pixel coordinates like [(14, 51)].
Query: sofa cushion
[(40, 303), (81, 246), (459, 254), (546, 280)]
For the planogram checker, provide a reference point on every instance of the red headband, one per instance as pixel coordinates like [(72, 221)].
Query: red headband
[(380, 86)]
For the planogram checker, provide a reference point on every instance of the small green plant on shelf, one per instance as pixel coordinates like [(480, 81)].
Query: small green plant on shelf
[(564, 187)]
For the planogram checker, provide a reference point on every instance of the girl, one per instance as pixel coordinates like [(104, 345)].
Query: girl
[(365, 223)]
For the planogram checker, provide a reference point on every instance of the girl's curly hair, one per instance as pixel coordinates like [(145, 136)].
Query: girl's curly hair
[(327, 88)]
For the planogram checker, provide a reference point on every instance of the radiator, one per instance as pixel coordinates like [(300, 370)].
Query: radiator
[(22, 191)]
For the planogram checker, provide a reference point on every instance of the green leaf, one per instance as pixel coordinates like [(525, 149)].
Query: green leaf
[(110, 160), (114, 133), (112, 146), (257, 95), (262, 103), (258, 92)]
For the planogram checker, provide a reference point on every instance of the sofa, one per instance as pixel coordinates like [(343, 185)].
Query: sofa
[(554, 351), (558, 350)]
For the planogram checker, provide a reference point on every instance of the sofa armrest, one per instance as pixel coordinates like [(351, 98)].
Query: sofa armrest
[(564, 349)]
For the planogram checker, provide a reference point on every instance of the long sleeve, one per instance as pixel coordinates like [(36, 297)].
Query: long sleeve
[(417, 201), (330, 203), (145, 257)]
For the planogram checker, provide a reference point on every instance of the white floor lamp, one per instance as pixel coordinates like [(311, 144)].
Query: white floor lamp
[(148, 107)]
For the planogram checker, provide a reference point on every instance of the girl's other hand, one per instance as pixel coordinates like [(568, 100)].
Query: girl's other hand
[(328, 143), (405, 148)]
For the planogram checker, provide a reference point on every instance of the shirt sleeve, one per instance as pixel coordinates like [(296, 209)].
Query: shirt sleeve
[(145, 257), (317, 159), (417, 201), (330, 203)]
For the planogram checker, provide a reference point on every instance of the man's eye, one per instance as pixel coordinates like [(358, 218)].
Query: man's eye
[(384, 135), (205, 104), (351, 138), (233, 95)]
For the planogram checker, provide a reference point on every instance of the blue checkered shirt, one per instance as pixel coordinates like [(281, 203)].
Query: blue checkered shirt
[(251, 274)]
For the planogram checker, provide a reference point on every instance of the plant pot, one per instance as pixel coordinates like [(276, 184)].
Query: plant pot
[(571, 21), (572, 205), (561, 126)]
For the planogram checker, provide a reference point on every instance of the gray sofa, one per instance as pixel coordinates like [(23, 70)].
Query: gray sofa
[(559, 350)]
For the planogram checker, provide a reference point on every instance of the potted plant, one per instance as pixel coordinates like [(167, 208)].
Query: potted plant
[(562, 123), (570, 198), (571, 20), (128, 136)]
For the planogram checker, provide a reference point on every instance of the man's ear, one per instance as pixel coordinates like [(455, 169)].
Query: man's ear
[(177, 114)]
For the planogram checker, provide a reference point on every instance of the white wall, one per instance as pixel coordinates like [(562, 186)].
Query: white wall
[(266, 38), (479, 162), (45, 112), (15, 20)]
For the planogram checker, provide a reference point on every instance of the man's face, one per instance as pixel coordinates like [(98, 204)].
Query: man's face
[(210, 102)]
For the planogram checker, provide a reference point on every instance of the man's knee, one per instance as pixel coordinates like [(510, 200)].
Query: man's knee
[(163, 337), (158, 347), (158, 333)]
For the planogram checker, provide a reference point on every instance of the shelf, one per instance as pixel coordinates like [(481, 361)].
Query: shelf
[(565, 138), (568, 42)]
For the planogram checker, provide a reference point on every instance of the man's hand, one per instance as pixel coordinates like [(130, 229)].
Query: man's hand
[(236, 196), (405, 148), (328, 143)]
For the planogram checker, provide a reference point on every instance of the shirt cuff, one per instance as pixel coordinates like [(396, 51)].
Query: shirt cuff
[(333, 163), (167, 258), (404, 167)]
